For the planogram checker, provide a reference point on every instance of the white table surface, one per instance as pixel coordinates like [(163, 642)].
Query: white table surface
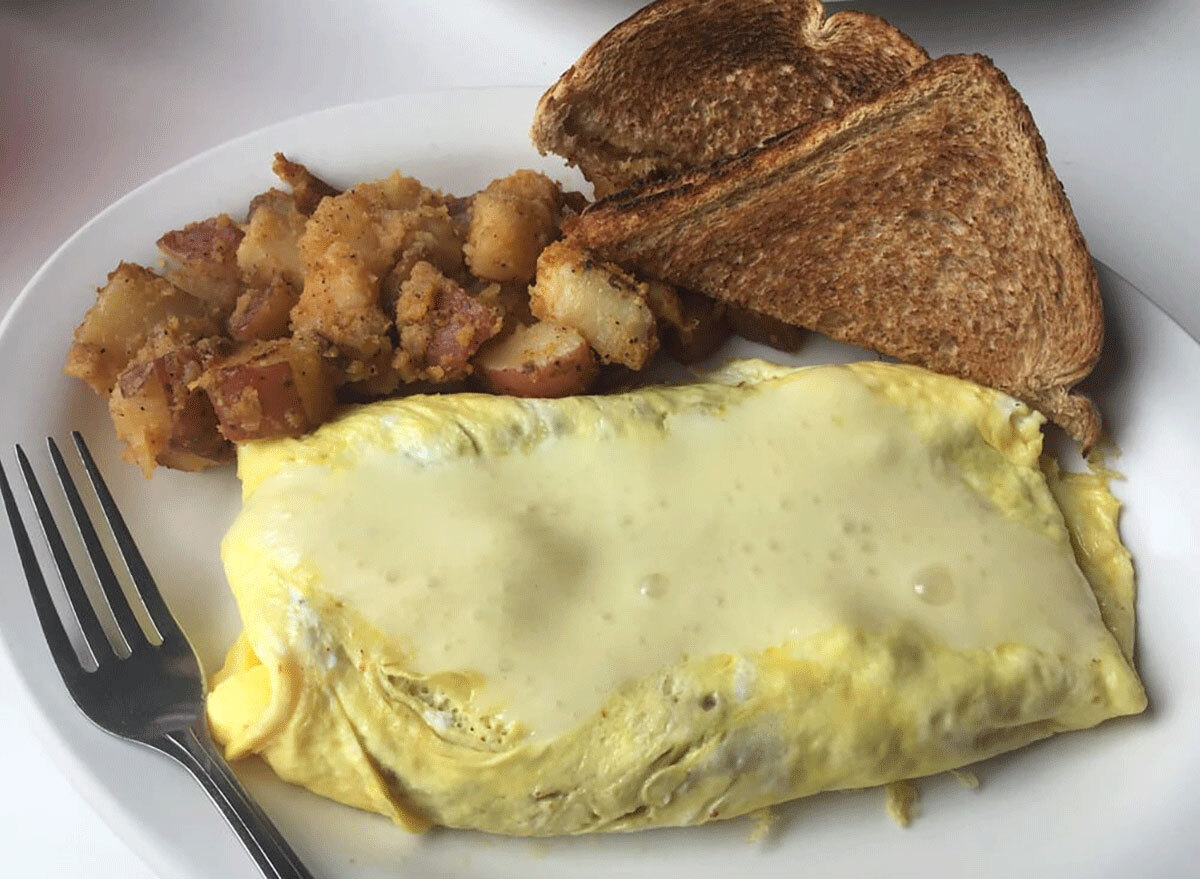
[(97, 97)]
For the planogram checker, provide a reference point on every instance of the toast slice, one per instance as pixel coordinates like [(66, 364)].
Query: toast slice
[(926, 224), (685, 82)]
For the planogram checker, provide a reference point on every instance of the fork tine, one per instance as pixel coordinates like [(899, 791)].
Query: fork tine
[(56, 636), (114, 595), (160, 614), (81, 606)]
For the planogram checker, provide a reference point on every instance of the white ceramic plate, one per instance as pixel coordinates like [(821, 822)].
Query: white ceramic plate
[(1117, 801)]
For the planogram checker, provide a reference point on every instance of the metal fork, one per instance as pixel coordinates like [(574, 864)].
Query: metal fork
[(155, 694)]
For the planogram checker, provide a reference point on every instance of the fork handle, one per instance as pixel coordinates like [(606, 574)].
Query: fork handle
[(194, 749)]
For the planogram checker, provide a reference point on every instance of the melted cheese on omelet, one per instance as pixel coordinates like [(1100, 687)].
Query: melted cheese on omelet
[(662, 607)]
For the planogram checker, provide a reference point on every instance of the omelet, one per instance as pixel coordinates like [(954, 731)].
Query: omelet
[(668, 606)]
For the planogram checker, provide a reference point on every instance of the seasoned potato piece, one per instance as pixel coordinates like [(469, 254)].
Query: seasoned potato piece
[(416, 225), (129, 308), (340, 301), (399, 193), (374, 231), (542, 360), (430, 238), (690, 326), (271, 246), (441, 326), (159, 417), (262, 312), (413, 224), (339, 309), (307, 188), (511, 221), (349, 220), (204, 260), (764, 329), (277, 388), (599, 300)]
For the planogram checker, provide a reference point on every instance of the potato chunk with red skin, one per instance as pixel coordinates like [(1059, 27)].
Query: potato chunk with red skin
[(605, 304), (690, 326), (512, 220), (262, 313), (440, 326), (128, 310), (764, 329), (159, 417), (204, 260), (307, 188), (270, 389), (541, 360)]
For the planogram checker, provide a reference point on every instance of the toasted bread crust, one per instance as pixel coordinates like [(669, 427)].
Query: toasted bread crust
[(926, 224), (682, 83)]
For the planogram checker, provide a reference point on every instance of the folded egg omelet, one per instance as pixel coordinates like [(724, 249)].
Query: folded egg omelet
[(667, 606)]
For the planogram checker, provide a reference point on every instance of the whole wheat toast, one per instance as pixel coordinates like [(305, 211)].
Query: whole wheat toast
[(685, 82), (926, 224)]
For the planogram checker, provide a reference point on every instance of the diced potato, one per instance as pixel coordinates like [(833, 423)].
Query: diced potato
[(764, 329), (397, 192), (690, 326), (511, 221), (434, 238), (542, 360), (430, 238), (340, 307), (271, 246), (269, 389), (359, 249), (307, 188), (129, 308), (204, 260), (262, 312), (599, 300), (159, 417), (440, 326), (414, 224)]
